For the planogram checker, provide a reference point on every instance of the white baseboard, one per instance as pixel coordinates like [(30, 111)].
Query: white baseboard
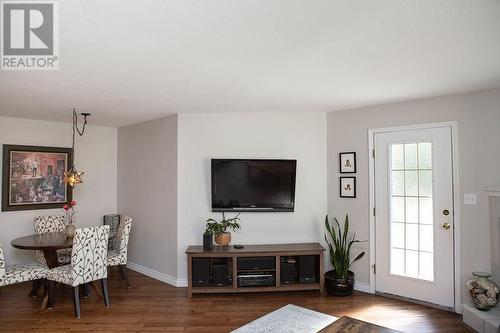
[(361, 286), (157, 275)]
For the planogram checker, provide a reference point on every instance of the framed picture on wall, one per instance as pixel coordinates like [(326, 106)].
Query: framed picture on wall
[(347, 162), (33, 177), (347, 187)]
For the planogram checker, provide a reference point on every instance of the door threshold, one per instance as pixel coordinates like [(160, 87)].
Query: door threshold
[(416, 301)]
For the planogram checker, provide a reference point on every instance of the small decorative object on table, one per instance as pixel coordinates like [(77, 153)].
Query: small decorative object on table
[(482, 291), (340, 280), (220, 229), (208, 240), (70, 216)]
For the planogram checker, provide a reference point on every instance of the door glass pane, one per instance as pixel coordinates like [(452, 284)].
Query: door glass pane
[(398, 183), (412, 216), (398, 235), (398, 209), (398, 157), (424, 155), (410, 156)]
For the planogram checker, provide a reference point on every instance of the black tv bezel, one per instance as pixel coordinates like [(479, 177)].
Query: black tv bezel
[(247, 208)]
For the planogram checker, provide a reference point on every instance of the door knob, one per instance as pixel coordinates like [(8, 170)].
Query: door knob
[(446, 226)]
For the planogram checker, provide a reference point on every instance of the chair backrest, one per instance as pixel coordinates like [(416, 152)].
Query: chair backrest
[(113, 220), (51, 223), (2, 262), (123, 235), (89, 255), (45, 224)]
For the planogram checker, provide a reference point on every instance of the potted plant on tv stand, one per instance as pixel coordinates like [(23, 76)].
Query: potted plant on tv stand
[(220, 229), (340, 280)]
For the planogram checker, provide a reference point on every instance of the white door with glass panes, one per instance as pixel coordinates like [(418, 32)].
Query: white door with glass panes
[(414, 214)]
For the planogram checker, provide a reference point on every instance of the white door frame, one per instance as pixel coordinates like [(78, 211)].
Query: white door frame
[(453, 125)]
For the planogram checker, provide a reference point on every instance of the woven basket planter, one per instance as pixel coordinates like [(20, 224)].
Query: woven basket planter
[(223, 239)]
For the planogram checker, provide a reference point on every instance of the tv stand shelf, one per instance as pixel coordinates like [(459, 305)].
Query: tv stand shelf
[(231, 255)]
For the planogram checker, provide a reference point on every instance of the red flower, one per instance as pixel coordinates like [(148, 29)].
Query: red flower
[(73, 203), (65, 207)]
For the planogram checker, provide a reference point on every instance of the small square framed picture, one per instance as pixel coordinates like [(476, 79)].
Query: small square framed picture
[(347, 187), (347, 162)]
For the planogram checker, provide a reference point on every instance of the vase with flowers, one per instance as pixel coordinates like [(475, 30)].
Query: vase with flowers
[(70, 212)]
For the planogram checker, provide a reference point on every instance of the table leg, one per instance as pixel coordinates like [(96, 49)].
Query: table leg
[(52, 262), (34, 288), (96, 289), (51, 258), (45, 301)]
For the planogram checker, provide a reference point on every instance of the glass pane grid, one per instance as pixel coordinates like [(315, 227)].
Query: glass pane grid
[(412, 242)]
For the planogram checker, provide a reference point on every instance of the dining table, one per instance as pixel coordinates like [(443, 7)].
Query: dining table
[(48, 243)]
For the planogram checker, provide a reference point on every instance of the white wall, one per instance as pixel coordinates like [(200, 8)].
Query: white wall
[(147, 191), (301, 136), (478, 116), (95, 155)]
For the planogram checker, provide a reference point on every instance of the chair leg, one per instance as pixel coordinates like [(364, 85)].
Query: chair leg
[(76, 300), (86, 290), (104, 286), (34, 288), (124, 274), (52, 287)]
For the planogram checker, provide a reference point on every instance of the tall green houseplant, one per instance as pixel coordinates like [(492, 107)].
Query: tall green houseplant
[(340, 280)]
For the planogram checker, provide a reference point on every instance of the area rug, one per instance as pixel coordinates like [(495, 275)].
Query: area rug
[(289, 319)]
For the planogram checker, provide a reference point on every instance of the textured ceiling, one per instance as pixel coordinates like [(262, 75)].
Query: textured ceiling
[(128, 61)]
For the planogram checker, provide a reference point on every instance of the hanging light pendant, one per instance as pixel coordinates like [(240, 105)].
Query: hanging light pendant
[(73, 177)]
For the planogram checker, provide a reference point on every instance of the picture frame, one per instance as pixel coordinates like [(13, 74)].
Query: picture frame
[(347, 187), (33, 177), (347, 162)]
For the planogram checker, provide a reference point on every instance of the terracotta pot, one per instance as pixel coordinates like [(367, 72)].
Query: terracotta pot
[(223, 239), (339, 287)]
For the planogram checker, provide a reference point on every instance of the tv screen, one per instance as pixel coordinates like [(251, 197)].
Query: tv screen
[(253, 185)]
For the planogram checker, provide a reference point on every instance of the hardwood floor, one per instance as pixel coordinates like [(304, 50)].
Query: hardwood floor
[(152, 306)]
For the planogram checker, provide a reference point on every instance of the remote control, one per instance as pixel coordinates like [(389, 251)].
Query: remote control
[(238, 246)]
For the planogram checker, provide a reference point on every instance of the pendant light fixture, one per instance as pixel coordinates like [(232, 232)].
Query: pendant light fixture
[(73, 177)]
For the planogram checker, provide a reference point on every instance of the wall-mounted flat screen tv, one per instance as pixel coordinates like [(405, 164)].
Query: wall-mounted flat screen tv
[(253, 185)]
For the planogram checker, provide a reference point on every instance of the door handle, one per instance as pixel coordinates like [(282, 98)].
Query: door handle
[(446, 226)]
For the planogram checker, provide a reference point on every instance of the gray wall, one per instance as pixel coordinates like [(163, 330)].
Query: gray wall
[(95, 154), (478, 116), (147, 191), (294, 135)]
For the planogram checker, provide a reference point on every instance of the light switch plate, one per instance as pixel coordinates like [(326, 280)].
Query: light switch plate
[(470, 199)]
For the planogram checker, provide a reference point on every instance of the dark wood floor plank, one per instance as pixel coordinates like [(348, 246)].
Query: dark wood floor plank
[(152, 306)]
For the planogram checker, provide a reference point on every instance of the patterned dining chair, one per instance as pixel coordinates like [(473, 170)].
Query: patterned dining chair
[(52, 223), (20, 273), (113, 220), (118, 256), (88, 264)]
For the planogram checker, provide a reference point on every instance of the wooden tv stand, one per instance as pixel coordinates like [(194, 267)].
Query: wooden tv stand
[(230, 256)]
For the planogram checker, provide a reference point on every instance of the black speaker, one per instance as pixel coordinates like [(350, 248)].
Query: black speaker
[(220, 275), (288, 272), (201, 272), (307, 269)]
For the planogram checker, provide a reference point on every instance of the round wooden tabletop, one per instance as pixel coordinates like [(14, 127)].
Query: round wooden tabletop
[(46, 241)]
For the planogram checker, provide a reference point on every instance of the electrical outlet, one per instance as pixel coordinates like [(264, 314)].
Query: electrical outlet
[(470, 199)]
